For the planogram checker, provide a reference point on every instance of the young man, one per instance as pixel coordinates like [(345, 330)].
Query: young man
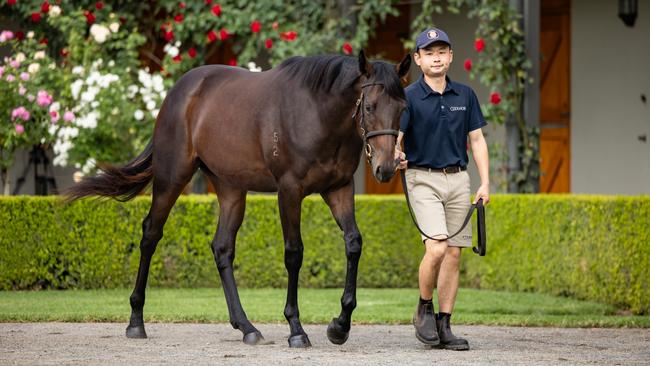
[(440, 116)]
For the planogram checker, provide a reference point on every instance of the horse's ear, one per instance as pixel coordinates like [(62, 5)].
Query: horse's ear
[(365, 68), (403, 67)]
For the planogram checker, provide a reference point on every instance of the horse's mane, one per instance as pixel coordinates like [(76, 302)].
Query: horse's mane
[(334, 73)]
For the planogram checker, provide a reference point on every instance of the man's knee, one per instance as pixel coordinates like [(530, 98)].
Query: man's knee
[(435, 249)]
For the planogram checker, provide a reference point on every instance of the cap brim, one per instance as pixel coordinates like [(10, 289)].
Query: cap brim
[(432, 42)]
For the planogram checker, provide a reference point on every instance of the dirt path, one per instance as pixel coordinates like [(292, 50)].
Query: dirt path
[(184, 344)]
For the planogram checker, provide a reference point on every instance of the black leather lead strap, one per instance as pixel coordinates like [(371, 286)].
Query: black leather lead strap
[(480, 220)]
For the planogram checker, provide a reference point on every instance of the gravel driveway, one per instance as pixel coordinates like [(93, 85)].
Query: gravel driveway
[(183, 344)]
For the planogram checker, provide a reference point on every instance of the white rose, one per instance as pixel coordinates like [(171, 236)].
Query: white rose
[(139, 115), (99, 32), (20, 57), (114, 27), (33, 68), (30, 34), (55, 11), (78, 70), (151, 105), (39, 55)]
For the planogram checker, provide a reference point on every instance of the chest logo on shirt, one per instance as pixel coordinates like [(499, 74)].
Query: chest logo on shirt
[(458, 108)]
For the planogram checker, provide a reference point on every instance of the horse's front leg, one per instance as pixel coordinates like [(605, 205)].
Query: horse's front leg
[(290, 201), (341, 203)]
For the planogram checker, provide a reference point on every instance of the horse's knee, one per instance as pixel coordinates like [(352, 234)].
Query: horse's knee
[(137, 301), (353, 245), (293, 256), (223, 253)]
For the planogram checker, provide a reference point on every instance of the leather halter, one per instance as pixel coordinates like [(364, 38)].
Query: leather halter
[(366, 135)]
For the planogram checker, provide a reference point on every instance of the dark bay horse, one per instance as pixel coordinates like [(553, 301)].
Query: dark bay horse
[(296, 129)]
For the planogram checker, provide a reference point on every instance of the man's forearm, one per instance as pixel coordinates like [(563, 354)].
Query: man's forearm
[(481, 158)]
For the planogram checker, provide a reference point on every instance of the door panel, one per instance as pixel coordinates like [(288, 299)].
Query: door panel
[(555, 97)]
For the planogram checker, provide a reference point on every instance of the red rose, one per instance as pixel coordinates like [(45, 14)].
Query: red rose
[(479, 44), (178, 18), (181, 5), (232, 62), (191, 52), (122, 20), (36, 17), (268, 43), (216, 10), (11, 2), (208, 2), (495, 98), (468, 64), (256, 26), (347, 48), (289, 36), (177, 58), (45, 7), (43, 41), (276, 25), (169, 36), (223, 34), (90, 17), (64, 52), (212, 36), (99, 5), (20, 35)]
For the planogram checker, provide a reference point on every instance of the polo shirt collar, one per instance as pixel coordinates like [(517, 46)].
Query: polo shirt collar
[(426, 89)]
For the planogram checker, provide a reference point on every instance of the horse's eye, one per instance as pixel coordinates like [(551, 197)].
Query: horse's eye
[(369, 108)]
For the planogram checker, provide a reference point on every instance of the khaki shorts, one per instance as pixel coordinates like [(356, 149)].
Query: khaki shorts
[(440, 203)]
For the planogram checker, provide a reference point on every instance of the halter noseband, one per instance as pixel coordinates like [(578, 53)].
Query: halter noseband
[(366, 135)]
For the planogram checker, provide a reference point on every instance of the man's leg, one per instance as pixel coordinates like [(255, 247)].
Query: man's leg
[(448, 280), (447, 290), (430, 266), (424, 319)]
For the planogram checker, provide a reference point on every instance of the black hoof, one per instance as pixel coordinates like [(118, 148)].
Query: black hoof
[(335, 332), (299, 341), (136, 332), (253, 338)]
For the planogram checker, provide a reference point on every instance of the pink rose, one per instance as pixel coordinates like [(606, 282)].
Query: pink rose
[(43, 99), (68, 116), (10, 78), (54, 116), (20, 129), (24, 76)]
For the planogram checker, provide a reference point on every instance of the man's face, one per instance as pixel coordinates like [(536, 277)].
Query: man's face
[(434, 60)]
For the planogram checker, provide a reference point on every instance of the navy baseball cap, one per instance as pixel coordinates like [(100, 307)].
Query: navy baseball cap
[(429, 36)]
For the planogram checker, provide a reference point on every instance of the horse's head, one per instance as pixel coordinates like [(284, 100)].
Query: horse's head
[(378, 112)]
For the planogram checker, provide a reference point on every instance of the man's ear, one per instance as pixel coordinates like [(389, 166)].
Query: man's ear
[(403, 67), (365, 68)]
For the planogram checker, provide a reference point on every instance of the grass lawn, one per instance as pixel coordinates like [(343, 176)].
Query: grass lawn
[(393, 306)]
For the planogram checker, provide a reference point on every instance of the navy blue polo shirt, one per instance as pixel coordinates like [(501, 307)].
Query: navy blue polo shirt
[(436, 125)]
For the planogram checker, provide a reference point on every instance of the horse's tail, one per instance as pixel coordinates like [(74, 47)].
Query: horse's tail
[(121, 183)]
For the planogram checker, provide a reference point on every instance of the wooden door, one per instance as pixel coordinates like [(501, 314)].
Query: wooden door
[(387, 44), (555, 93)]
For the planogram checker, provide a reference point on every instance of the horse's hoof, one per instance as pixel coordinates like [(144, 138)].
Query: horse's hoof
[(299, 341), (335, 333), (253, 338), (136, 331)]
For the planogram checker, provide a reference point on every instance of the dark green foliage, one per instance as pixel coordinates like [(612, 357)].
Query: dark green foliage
[(587, 247)]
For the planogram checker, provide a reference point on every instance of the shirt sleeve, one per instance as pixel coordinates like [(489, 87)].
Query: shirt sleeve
[(405, 120), (476, 119)]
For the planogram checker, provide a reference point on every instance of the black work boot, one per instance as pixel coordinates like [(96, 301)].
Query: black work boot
[(424, 321), (447, 339)]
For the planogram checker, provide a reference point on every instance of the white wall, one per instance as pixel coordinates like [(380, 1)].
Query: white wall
[(610, 69)]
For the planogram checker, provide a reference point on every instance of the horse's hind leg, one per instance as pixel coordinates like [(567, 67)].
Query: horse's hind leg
[(341, 203), (290, 200), (170, 178), (232, 203)]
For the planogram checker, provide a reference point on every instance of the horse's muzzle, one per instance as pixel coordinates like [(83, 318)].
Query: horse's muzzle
[(384, 172)]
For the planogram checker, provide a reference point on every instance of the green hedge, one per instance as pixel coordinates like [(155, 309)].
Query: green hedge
[(587, 247)]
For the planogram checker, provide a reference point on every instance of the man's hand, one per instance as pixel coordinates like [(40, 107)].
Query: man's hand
[(484, 193), (399, 155)]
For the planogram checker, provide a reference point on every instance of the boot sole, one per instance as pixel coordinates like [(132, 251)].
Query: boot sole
[(454, 347)]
